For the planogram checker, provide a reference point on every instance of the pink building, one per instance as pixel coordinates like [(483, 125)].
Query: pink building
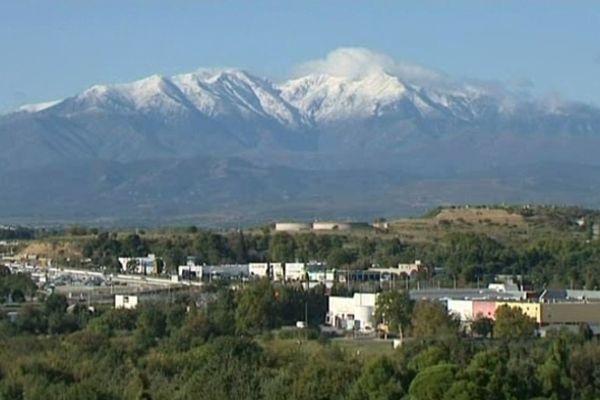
[(484, 308)]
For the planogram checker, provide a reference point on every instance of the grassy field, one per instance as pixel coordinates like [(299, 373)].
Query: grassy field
[(504, 224), (364, 348), (497, 223), (361, 348)]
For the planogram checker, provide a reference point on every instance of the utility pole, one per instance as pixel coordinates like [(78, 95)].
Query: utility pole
[(347, 279), (306, 313)]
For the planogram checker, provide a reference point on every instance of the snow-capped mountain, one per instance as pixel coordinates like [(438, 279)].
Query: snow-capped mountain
[(355, 109), (213, 112), (316, 98), (331, 98), (231, 92), (215, 93), (346, 107), (328, 98)]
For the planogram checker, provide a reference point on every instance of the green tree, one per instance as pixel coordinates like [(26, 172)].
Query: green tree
[(4, 271), (325, 375), (55, 304), (282, 248), (584, 370), (554, 372), (239, 247), (151, 325), (482, 326), (512, 323), (173, 255), (490, 377), (394, 309), (221, 312), (340, 257), (31, 319), (196, 329), (432, 383), (255, 307), (428, 357), (379, 380), (430, 319), (226, 368), (15, 287), (114, 320), (464, 390), (134, 246)]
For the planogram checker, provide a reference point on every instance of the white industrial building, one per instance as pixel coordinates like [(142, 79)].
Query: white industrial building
[(295, 271), (277, 272), (127, 302), (140, 265), (225, 271), (209, 272), (504, 287), (190, 271), (352, 313), (259, 270), (409, 269), (322, 276), (461, 308)]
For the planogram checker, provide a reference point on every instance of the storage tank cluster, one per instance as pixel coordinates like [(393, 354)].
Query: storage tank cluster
[(319, 226)]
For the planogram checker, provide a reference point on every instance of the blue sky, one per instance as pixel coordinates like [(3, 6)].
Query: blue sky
[(53, 49)]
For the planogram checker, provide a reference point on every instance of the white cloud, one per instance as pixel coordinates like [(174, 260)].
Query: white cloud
[(357, 62)]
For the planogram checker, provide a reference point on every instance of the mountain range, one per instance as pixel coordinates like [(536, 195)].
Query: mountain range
[(354, 136)]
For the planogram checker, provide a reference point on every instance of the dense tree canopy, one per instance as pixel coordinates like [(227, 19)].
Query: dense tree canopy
[(218, 343), (512, 323), (430, 319)]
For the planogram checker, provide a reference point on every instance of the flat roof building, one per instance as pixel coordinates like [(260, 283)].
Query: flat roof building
[(124, 301), (352, 313)]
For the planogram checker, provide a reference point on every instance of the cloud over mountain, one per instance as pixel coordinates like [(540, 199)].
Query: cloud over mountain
[(358, 62)]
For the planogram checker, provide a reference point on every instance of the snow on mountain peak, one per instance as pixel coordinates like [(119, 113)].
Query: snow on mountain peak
[(348, 83), (32, 108), (328, 97), (232, 91), (147, 94), (354, 83)]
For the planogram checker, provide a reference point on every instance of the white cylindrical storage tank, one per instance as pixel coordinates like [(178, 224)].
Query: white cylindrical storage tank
[(326, 226), (292, 226)]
